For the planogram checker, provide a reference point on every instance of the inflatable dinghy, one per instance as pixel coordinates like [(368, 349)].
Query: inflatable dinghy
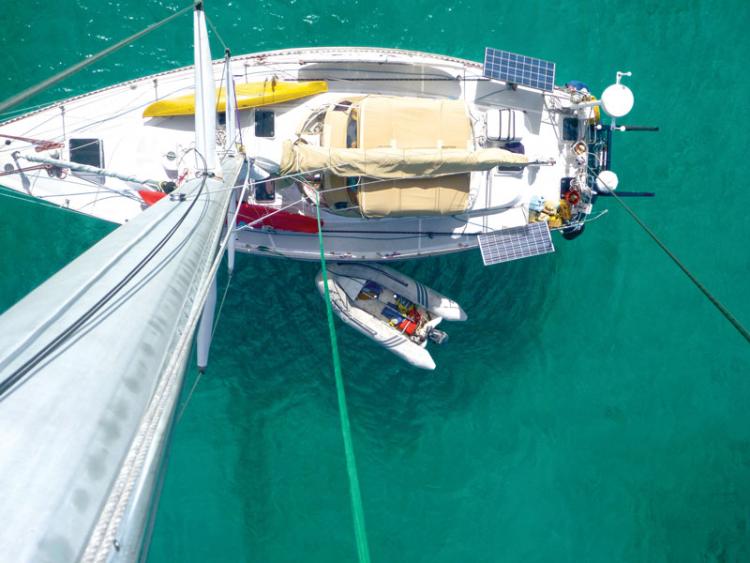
[(390, 308)]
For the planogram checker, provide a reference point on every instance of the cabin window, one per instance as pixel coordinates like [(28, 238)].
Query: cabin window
[(351, 130), (570, 129), (87, 151), (342, 106), (264, 123)]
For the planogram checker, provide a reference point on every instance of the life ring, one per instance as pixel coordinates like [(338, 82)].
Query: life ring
[(573, 197)]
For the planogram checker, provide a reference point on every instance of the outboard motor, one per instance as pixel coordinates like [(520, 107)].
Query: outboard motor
[(438, 336)]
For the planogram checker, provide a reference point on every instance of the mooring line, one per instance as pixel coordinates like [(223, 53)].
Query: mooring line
[(360, 533), (716, 303)]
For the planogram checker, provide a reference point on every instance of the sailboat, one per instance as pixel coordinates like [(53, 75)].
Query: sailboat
[(404, 154), (390, 154)]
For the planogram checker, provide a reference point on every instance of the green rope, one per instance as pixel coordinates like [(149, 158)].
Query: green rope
[(351, 465)]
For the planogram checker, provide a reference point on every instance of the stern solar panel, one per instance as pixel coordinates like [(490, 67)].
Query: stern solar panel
[(518, 242), (519, 69)]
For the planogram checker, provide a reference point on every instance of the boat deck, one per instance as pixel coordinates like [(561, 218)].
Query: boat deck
[(159, 148)]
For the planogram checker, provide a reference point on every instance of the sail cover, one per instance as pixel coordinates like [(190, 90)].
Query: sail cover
[(390, 163)]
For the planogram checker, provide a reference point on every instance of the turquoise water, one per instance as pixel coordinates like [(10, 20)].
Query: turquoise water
[(593, 408)]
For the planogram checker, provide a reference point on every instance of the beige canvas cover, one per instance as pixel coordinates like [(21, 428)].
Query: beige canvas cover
[(426, 196), (334, 135), (334, 129), (414, 156), (413, 123), (392, 163)]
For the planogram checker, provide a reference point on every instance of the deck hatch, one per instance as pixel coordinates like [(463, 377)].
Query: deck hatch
[(518, 242), (264, 123), (87, 151), (519, 69)]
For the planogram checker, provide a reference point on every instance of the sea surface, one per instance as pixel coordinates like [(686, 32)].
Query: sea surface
[(595, 407)]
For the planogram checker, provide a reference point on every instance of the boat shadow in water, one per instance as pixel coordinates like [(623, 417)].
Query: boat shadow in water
[(280, 352), (392, 402), (271, 375)]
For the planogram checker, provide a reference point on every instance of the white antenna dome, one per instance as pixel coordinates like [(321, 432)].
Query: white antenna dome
[(607, 181), (618, 99)]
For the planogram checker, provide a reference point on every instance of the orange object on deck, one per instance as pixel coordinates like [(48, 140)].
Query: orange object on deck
[(150, 197)]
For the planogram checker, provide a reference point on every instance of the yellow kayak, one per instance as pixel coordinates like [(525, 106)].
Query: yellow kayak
[(249, 95)]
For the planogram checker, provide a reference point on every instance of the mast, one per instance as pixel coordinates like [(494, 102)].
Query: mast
[(205, 90), (205, 143), (231, 103), (91, 367), (111, 331)]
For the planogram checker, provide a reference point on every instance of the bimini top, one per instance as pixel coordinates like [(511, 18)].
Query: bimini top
[(412, 123), (413, 156)]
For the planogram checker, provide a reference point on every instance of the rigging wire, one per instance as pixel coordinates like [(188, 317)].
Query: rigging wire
[(360, 533), (109, 91), (41, 201), (216, 32), (32, 200), (87, 125), (200, 372), (303, 199), (28, 366), (703, 289), (29, 92), (222, 246)]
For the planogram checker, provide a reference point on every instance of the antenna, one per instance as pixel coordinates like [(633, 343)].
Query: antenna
[(618, 99)]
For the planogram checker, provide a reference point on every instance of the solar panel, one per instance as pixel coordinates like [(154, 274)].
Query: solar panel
[(519, 69), (518, 242)]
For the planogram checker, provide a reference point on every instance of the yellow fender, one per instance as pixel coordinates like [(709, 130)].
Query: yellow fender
[(597, 112)]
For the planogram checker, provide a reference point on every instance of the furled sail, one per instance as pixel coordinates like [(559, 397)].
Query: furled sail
[(389, 163)]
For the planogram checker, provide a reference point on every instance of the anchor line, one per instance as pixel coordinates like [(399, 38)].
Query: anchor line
[(703, 289), (360, 531)]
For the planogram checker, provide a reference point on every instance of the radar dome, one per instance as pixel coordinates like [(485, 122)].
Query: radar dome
[(606, 181), (617, 100)]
